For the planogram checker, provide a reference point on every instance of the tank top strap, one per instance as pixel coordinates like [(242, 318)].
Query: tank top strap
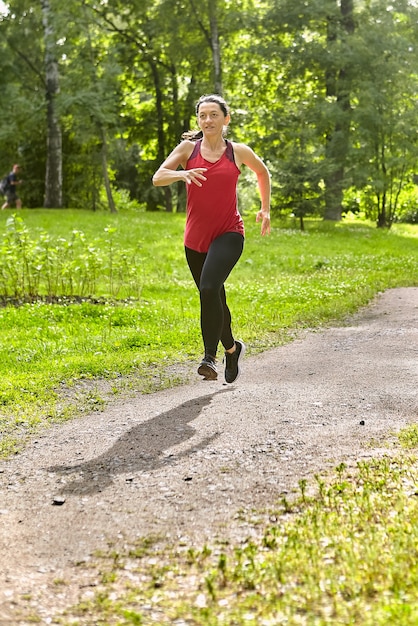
[(196, 149), (229, 152)]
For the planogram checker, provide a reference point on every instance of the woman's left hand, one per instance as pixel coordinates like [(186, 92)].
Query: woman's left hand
[(264, 217)]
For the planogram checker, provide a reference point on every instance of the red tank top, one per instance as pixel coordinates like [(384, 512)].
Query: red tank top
[(212, 209)]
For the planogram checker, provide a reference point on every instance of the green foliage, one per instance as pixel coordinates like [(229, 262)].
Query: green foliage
[(385, 149), (43, 266), (325, 95)]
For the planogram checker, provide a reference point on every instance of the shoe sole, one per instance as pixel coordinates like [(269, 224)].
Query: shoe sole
[(207, 372), (243, 348)]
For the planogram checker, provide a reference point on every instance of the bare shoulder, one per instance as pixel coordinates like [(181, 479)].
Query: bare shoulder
[(241, 147), (179, 155), (187, 144), (246, 155), (185, 147)]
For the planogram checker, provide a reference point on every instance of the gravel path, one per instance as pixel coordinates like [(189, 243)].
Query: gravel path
[(182, 463)]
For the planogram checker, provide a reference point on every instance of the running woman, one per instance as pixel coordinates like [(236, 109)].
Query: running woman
[(214, 233)]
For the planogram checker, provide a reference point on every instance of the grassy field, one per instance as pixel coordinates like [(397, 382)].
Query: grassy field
[(118, 313)]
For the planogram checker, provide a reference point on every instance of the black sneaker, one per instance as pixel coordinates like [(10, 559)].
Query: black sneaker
[(232, 370), (207, 368)]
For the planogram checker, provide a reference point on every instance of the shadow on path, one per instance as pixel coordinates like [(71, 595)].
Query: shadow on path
[(140, 448)]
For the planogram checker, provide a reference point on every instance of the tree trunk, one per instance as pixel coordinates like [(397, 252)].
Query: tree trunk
[(160, 129), (108, 188), (212, 38), (215, 46), (381, 211), (334, 192), (53, 174), (337, 145)]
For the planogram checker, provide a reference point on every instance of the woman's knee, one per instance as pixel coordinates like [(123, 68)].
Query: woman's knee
[(209, 291)]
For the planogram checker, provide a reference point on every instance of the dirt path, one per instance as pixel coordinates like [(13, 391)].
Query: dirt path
[(181, 463)]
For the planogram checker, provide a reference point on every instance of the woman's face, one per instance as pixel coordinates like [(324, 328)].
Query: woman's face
[(211, 118)]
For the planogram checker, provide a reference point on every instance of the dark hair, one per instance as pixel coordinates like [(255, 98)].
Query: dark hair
[(213, 98), (194, 135)]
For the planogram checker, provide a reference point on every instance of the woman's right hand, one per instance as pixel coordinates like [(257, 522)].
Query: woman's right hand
[(196, 176)]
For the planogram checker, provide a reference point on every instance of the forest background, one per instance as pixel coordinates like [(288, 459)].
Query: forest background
[(95, 94)]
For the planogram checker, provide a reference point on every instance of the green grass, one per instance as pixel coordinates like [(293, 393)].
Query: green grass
[(144, 322), (344, 552)]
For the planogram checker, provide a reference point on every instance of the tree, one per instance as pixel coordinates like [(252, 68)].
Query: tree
[(386, 143), (162, 67), (211, 35), (323, 91), (94, 110), (53, 174), (22, 99), (338, 78)]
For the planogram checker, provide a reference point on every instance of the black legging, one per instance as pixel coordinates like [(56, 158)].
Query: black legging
[(210, 270)]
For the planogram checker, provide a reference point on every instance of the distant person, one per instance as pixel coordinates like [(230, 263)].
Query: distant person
[(214, 234), (11, 192)]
